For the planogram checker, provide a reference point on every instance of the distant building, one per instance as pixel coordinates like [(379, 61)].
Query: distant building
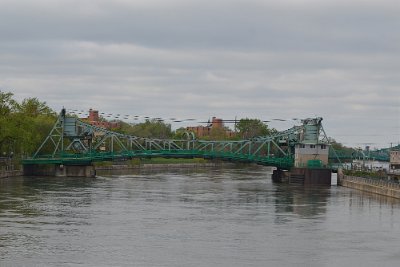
[(394, 161), (216, 123), (95, 120)]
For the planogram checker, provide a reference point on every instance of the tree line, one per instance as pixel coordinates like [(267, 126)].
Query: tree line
[(24, 125)]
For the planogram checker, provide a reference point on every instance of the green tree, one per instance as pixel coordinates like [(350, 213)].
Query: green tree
[(23, 126), (218, 133), (7, 104), (150, 129), (32, 107), (179, 133), (8, 107), (249, 128)]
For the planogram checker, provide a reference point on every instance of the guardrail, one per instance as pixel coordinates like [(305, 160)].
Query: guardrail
[(374, 181)]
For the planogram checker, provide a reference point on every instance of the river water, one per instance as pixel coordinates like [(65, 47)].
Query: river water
[(197, 217)]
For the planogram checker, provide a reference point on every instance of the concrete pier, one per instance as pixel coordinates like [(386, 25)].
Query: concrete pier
[(59, 170), (304, 176), (279, 176), (310, 176)]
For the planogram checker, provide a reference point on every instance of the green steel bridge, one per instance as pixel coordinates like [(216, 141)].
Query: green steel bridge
[(74, 142), (352, 154)]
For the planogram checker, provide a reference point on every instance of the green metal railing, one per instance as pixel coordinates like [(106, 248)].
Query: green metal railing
[(88, 158)]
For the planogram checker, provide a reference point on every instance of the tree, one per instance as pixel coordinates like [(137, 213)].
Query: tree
[(7, 104), (249, 128), (32, 107), (7, 123), (150, 129), (218, 133), (180, 133), (23, 126)]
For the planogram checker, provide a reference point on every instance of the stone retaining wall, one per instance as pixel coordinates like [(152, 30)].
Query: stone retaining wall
[(381, 187)]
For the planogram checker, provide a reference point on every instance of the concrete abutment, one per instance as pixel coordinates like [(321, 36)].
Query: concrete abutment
[(58, 170), (305, 176)]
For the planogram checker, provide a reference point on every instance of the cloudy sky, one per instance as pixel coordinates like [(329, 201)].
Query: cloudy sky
[(338, 59)]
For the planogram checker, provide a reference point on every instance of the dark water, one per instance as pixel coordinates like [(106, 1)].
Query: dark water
[(210, 217)]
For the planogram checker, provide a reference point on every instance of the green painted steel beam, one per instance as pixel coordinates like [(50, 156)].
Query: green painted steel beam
[(76, 142)]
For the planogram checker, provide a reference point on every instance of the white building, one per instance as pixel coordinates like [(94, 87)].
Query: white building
[(304, 153)]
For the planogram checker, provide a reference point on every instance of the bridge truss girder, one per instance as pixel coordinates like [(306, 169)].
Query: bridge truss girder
[(73, 136)]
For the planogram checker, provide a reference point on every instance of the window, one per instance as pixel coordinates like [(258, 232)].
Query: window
[(302, 146), (312, 146), (323, 146)]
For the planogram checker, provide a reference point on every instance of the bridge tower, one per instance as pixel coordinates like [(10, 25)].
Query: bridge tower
[(311, 155), (67, 135), (310, 151)]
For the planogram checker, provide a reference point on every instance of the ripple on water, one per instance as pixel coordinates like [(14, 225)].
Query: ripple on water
[(206, 217)]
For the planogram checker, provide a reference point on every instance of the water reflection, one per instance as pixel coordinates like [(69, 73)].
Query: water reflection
[(32, 208), (307, 202)]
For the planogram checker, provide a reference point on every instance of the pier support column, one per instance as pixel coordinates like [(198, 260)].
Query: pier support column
[(310, 176), (59, 170), (279, 176)]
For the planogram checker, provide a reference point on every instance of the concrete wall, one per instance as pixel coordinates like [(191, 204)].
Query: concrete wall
[(313, 176), (379, 187), (303, 176), (59, 170)]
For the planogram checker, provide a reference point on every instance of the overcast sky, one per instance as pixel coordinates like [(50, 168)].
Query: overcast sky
[(338, 59)]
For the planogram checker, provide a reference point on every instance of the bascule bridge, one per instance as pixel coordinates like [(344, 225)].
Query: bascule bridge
[(72, 146)]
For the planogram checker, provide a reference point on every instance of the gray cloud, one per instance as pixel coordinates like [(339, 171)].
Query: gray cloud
[(266, 59)]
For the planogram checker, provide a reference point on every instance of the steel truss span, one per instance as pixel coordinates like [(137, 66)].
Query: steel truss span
[(75, 142)]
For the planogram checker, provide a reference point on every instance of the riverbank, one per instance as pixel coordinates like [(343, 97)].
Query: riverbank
[(380, 187), (7, 174)]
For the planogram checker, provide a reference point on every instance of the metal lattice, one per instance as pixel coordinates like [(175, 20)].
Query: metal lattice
[(72, 141)]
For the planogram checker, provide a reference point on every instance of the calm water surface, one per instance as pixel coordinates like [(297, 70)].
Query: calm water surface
[(208, 217)]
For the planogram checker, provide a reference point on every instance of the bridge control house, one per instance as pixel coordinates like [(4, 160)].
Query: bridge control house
[(310, 151), (311, 156)]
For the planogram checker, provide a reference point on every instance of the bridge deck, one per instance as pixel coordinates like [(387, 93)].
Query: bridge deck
[(88, 158)]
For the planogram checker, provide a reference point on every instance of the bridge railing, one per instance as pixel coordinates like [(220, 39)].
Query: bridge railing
[(65, 158)]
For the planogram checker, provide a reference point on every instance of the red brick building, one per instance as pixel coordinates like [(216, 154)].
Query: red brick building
[(95, 120), (216, 123)]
